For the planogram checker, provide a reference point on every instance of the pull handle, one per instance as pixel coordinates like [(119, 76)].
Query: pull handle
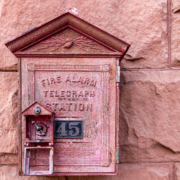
[(43, 133), (39, 128)]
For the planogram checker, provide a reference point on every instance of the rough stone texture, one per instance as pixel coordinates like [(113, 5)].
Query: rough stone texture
[(142, 23), (175, 6), (177, 171), (8, 113), (149, 116), (8, 158), (145, 27), (11, 173), (145, 171), (175, 37), (136, 172)]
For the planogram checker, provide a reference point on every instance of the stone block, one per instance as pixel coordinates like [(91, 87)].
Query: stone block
[(8, 113), (8, 159), (177, 171), (149, 116), (145, 172), (145, 27), (175, 6), (11, 173), (175, 34)]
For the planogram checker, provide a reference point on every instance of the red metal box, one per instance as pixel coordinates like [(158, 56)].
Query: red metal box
[(69, 78)]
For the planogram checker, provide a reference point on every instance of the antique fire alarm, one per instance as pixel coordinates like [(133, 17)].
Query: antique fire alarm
[(69, 76)]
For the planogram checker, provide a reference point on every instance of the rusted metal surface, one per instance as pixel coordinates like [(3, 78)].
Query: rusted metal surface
[(38, 125), (38, 160), (38, 128), (76, 91), (69, 98)]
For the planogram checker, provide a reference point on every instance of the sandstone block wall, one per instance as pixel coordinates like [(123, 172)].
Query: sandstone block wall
[(150, 81)]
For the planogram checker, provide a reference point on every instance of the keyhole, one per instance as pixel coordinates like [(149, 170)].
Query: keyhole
[(37, 110)]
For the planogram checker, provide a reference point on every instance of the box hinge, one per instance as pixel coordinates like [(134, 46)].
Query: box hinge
[(118, 78), (117, 155)]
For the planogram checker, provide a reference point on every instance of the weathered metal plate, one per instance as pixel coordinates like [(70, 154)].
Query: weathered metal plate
[(76, 90), (68, 129)]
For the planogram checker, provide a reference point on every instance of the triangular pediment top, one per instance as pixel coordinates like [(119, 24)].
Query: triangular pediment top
[(67, 41), (84, 40), (30, 110)]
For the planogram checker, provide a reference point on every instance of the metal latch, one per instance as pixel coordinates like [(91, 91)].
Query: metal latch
[(117, 155), (118, 78)]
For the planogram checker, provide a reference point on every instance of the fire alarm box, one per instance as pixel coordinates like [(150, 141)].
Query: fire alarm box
[(38, 126), (69, 76)]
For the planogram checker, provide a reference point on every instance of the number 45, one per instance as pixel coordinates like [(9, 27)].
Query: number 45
[(71, 130)]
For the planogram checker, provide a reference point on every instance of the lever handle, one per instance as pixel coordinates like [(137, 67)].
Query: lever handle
[(43, 133), (38, 128)]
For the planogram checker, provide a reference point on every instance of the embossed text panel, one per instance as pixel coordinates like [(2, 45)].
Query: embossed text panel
[(76, 89)]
